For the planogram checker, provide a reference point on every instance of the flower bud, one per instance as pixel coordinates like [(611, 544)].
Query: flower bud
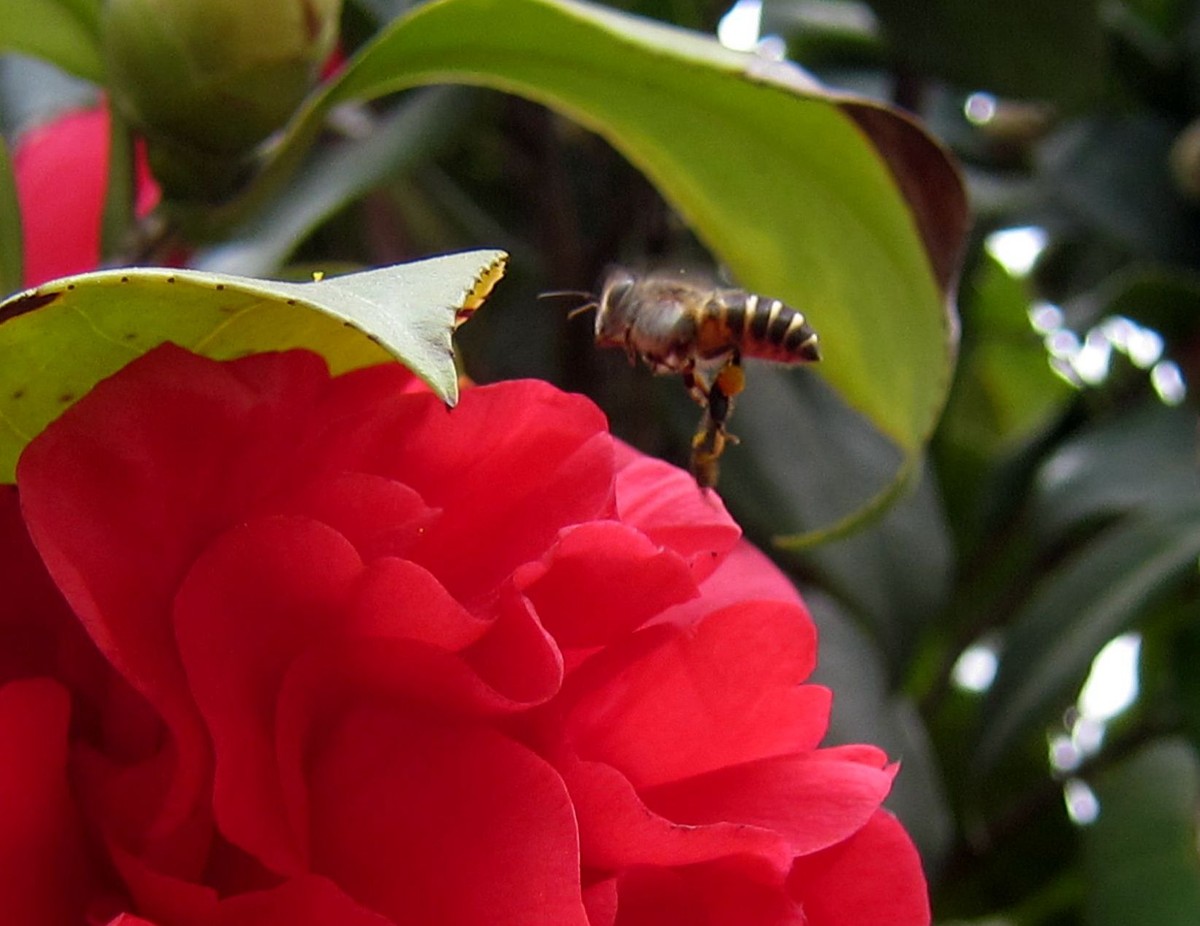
[(207, 80)]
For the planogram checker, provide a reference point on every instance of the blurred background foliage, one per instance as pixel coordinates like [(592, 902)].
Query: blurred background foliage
[(1022, 628)]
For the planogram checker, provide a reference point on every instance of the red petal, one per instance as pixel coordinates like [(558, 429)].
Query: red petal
[(873, 877), (508, 468), (305, 901), (44, 875), (398, 599), (433, 822), (724, 692), (725, 893), (602, 580), (617, 830), (380, 516), (327, 680), (259, 596), (745, 574), (517, 657), (601, 902), (123, 491), (665, 504), (812, 802)]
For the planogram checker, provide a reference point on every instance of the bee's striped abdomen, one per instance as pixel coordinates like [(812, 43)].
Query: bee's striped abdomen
[(776, 332)]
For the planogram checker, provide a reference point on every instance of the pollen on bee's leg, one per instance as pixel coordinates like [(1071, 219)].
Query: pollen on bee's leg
[(732, 378)]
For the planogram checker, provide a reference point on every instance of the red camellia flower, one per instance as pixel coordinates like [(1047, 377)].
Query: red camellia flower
[(280, 648), (61, 172)]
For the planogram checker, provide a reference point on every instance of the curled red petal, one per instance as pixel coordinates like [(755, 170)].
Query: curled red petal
[(380, 516), (503, 478), (811, 803), (721, 693), (617, 830), (602, 580), (123, 491), (517, 657), (665, 504), (257, 597), (873, 877), (429, 822), (744, 574)]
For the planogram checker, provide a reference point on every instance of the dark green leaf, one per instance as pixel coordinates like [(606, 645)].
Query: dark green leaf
[(1140, 856), (1090, 598), (1141, 462), (1111, 174), (1029, 49), (338, 175)]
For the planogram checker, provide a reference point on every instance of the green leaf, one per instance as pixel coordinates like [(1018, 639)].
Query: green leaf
[(60, 339), (1021, 48), (416, 126), (120, 192), (1092, 597), (1106, 470), (11, 262), (63, 32), (1140, 855), (850, 212)]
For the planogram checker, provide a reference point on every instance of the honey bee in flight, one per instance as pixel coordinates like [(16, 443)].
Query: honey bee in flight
[(680, 324)]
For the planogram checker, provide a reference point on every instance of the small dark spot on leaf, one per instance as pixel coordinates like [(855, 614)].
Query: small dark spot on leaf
[(220, 287), (19, 394), (28, 303), (67, 398), (291, 302), (170, 279), (124, 279), (70, 286), (131, 336)]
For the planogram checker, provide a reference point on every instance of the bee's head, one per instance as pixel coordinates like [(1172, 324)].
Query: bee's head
[(614, 308)]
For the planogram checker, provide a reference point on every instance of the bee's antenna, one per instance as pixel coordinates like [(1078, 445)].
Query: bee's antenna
[(591, 303), (586, 307)]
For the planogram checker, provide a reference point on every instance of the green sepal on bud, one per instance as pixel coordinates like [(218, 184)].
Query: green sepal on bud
[(206, 81)]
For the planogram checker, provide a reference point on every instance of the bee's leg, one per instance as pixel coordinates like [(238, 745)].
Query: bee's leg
[(729, 382), (712, 438), (697, 388), (707, 446)]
